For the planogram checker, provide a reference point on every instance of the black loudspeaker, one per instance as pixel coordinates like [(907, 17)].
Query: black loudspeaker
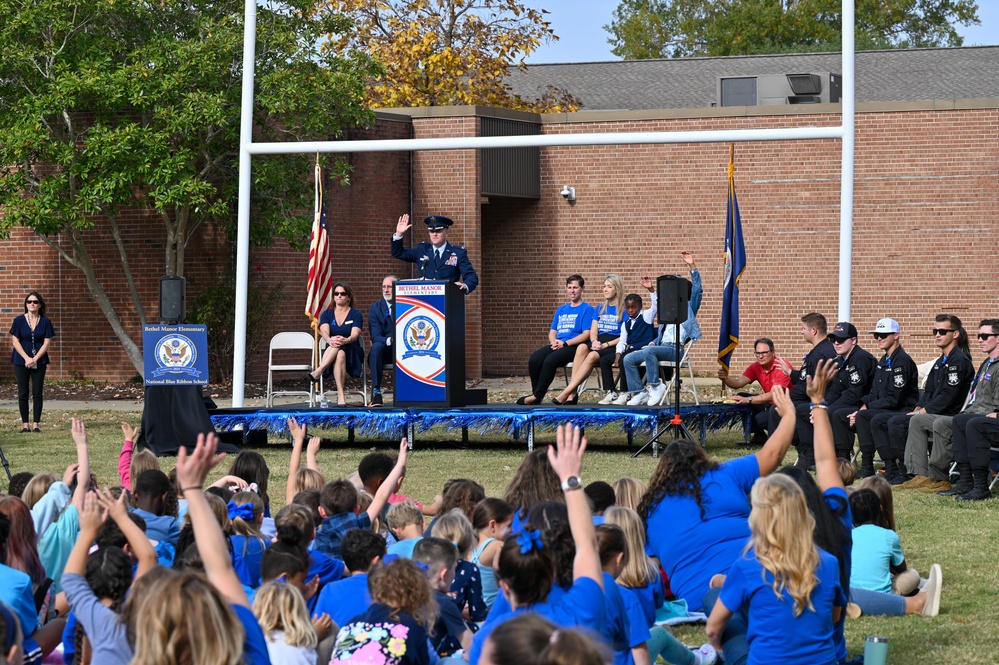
[(172, 299), (674, 294)]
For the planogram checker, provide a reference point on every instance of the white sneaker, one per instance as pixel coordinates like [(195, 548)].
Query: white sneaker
[(609, 397), (705, 655), (932, 591), (656, 393), (622, 399), (639, 399)]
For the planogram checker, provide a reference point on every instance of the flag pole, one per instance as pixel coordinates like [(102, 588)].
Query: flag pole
[(318, 206)]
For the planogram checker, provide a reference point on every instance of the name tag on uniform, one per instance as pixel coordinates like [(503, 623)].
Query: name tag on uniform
[(346, 322), (988, 376)]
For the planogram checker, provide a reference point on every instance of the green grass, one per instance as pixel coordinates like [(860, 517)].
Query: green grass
[(933, 529)]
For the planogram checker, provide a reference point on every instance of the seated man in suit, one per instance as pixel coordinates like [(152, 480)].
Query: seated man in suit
[(438, 258), (381, 325)]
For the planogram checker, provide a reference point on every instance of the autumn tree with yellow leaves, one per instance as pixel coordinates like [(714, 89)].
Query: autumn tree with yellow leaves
[(448, 52)]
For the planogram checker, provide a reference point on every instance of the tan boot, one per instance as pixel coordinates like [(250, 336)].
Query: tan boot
[(935, 486), (916, 481)]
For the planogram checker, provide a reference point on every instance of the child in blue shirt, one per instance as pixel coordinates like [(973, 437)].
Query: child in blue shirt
[(348, 597), (439, 557), (339, 508)]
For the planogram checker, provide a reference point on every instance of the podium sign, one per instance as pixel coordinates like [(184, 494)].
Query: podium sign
[(429, 344), (175, 355)]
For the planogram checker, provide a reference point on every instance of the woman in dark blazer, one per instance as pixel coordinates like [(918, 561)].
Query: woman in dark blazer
[(31, 333)]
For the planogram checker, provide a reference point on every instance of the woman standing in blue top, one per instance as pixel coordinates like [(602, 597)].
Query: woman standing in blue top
[(31, 334), (570, 328), (697, 510), (341, 327)]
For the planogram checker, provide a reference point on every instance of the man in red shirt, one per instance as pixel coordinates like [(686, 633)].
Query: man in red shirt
[(768, 374)]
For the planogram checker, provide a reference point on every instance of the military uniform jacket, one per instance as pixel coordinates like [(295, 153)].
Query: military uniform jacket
[(824, 350), (896, 383), (452, 267), (856, 374), (985, 388), (947, 384)]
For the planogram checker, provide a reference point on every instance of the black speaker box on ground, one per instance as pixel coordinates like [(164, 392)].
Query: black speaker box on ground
[(674, 295), (172, 308)]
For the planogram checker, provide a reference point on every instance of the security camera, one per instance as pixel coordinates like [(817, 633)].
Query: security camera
[(568, 193)]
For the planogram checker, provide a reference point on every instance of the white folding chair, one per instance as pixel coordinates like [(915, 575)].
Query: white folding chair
[(363, 392), (567, 374), (288, 341), (690, 387)]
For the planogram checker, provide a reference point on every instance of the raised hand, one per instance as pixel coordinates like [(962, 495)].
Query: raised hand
[(193, 467), (648, 283), (116, 509), (825, 372), (782, 399), (297, 431), (91, 517), (128, 432), (79, 432), (566, 458), (402, 225)]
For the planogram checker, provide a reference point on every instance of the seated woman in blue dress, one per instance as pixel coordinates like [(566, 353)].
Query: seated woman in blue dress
[(341, 327)]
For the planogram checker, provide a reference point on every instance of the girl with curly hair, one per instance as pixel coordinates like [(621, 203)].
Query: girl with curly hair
[(697, 510), (394, 629), (787, 587)]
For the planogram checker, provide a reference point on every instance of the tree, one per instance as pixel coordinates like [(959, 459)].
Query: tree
[(449, 52), (106, 106), (644, 29)]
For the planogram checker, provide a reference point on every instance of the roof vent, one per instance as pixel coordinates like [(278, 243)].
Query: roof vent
[(779, 89)]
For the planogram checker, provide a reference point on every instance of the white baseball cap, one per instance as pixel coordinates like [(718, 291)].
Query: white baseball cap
[(887, 326)]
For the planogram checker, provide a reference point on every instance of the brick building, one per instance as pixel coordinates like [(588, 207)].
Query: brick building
[(925, 209)]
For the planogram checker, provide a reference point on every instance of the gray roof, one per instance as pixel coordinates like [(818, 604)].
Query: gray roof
[(882, 76)]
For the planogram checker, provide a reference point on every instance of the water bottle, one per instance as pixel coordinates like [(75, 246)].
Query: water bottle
[(875, 650)]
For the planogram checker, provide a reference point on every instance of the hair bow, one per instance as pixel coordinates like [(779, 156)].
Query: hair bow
[(244, 512), (529, 540)]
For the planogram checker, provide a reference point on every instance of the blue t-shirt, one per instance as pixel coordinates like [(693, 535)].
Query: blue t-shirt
[(775, 635), (875, 550), (403, 548), (638, 620), (255, 646), (344, 599), (607, 322), (165, 528), (570, 321), (250, 550), (581, 605), (616, 628), (839, 504), (690, 549)]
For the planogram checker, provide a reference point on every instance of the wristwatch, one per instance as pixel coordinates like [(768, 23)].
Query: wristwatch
[(572, 483)]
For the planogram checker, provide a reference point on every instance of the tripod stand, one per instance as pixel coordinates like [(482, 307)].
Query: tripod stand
[(6, 465), (674, 296), (675, 424)]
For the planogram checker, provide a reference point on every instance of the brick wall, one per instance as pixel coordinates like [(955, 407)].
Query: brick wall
[(925, 214)]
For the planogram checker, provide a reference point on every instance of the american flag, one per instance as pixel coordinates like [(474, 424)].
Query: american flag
[(320, 267)]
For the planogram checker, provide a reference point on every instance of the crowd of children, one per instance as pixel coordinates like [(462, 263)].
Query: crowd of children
[(164, 569)]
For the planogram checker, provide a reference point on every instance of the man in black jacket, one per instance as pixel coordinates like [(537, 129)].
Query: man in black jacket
[(944, 394), (894, 391)]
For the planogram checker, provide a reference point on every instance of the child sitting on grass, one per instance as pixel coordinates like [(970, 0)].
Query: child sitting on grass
[(439, 557), (406, 522)]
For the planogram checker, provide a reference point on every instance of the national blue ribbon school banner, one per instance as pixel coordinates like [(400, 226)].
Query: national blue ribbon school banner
[(175, 355)]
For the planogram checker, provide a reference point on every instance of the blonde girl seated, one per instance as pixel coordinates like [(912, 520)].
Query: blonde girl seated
[(788, 588), (284, 618)]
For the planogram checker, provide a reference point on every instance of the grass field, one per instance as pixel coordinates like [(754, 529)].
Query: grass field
[(933, 529)]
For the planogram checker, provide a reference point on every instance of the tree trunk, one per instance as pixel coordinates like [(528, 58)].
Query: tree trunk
[(129, 278), (83, 262)]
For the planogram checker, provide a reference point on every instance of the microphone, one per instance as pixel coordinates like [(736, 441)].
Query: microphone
[(424, 260)]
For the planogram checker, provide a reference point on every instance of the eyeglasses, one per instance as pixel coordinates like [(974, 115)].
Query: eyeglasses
[(881, 335), (984, 336), (760, 354), (340, 293), (32, 302), (943, 331)]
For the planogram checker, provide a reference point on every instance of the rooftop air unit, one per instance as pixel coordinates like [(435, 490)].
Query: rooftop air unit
[(770, 89)]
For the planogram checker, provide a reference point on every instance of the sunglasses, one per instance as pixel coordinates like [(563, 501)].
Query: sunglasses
[(32, 302), (881, 335), (984, 336), (339, 293), (838, 340), (943, 331)]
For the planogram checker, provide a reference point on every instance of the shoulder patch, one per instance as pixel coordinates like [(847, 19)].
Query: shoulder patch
[(899, 380), (855, 378), (953, 379)]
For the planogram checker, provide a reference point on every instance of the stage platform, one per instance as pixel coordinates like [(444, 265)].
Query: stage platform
[(517, 422)]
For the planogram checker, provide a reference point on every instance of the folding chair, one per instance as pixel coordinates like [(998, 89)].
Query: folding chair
[(287, 341), (670, 386), (567, 374), (363, 392)]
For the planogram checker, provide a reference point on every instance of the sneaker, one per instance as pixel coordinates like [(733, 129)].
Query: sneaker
[(639, 399), (376, 399), (622, 399), (705, 655), (932, 591), (609, 397), (656, 393)]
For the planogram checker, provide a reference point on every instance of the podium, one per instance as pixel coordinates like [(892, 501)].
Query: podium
[(429, 344)]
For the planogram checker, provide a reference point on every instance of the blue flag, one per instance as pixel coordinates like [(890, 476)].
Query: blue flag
[(735, 265)]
